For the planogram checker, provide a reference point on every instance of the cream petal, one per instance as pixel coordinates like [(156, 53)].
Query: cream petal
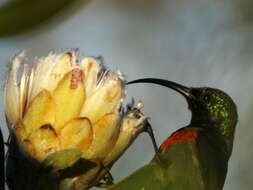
[(76, 134), (49, 71), (105, 99), (23, 89), (41, 111), (91, 70), (20, 131), (129, 130), (45, 142), (69, 97), (12, 94), (29, 90), (105, 131)]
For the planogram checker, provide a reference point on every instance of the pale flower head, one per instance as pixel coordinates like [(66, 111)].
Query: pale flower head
[(67, 101)]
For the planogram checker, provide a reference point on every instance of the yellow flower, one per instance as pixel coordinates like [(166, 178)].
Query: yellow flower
[(66, 102)]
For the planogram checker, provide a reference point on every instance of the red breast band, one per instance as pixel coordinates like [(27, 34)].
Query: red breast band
[(185, 135)]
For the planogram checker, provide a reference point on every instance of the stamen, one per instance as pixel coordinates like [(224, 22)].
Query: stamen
[(77, 75)]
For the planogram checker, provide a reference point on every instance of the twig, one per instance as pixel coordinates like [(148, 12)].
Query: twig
[(2, 166)]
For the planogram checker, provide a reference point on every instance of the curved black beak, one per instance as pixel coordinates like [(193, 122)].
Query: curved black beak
[(185, 91)]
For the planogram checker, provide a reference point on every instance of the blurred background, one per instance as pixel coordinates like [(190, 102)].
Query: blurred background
[(193, 42)]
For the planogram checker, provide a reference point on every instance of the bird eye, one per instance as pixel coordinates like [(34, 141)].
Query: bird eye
[(207, 97)]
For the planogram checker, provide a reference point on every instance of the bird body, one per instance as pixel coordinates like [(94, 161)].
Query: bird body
[(195, 160), (194, 157), (190, 160)]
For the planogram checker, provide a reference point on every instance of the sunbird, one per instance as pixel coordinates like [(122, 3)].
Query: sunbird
[(196, 156)]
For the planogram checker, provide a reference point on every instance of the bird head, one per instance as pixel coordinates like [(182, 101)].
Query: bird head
[(210, 107)]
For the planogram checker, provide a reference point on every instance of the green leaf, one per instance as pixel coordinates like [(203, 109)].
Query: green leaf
[(20, 15), (62, 159), (145, 177)]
